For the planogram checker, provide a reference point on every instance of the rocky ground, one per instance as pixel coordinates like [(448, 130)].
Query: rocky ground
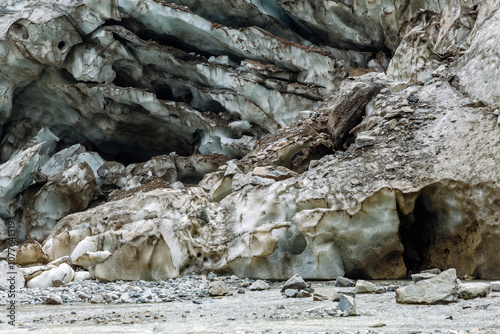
[(210, 303)]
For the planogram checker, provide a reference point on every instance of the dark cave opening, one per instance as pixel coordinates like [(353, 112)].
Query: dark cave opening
[(416, 231)]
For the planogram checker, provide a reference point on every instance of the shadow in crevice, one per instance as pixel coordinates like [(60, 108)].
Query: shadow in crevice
[(440, 228)]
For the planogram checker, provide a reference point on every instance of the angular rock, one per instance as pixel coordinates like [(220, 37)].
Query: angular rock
[(241, 180), (276, 173), (473, 290), (304, 294), (347, 305), (495, 286), (293, 146), (321, 294), (346, 107), (344, 282), (217, 289), (61, 274), (295, 282), (33, 271), (97, 299), (364, 287), (365, 139), (442, 289), (259, 285), (30, 252), (291, 293)]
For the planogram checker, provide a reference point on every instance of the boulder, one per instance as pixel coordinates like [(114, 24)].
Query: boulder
[(259, 285), (291, 293), (442, 289), (321, 294), (473, 290), (364, 287), (218, 289), (347, 106), (53, 277), (347, 305), (495, 286), (344, 282), (295, 282), (30, 252)]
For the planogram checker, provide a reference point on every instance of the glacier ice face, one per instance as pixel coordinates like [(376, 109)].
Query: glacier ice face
[(189, 140)]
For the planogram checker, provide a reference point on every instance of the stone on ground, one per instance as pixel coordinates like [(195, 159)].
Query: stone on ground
[(442, 289), (259, 285), (473, 290), (295, 282), (347, 305), (364, 287), (218, 289)]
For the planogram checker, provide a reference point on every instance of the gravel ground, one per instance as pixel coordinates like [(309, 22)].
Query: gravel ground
[(184, 305)]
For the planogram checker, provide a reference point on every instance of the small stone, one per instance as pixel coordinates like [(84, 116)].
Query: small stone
[(53, 300), (245, 284), (241, 291), (391, 124), (355, 182), (281, 307), (295, 282), (380, 289), (473, 290), (259, 285), (378, 325), (412, 98), (211, 276), (347, 304), (344, 282), (97, 299), (365, 139), (407, 110), (495, 286), (276, 173), (303, 294), (218, 289), (364, 287), (291, 293)]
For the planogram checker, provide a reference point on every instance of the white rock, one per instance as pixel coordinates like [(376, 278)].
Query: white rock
[(64, 273), (88, 259), (473, 290), (364, 287), (82, 276)]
